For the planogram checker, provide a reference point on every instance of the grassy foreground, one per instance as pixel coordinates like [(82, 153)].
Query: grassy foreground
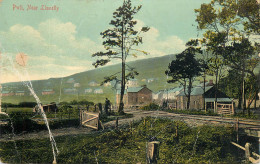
[(179, 144)]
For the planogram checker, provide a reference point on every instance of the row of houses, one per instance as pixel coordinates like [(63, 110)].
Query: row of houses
[(22, 93), (11, 93), (86, 91), (51, 92), (176, 97)]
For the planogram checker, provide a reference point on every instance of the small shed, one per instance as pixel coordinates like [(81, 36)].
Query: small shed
[(47, 108)]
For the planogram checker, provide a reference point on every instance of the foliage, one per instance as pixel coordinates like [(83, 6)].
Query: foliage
[(27, 104), (151, 106), (228, 40), (75, 102), (179, 143), (242, 115), (249, 11), (20, 121), (194, 112), (120, 42), (185, 68)]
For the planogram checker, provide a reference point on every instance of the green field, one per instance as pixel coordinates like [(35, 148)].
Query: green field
[(179, 143)]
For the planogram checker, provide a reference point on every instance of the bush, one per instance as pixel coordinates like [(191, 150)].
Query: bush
[(241, 115), (27, 104), (21, 122), (151, 106)]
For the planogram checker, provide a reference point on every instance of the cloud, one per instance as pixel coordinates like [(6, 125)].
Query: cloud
[(55, 49), (156, 46)]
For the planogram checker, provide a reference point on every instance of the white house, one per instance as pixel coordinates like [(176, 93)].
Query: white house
[(150, 80), (98, 91), (76, 85), (70, 90), (155, 95), (88, 90), (107, 84), (132, 83), (71, 80), (93, 83)]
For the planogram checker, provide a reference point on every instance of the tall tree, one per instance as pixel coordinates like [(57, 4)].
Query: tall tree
[(221, 20), (121, 41), (185, 68), (248, 10), (241, 56), (205, 69)]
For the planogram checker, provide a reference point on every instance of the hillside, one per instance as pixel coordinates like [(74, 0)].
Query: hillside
[(152, 68)]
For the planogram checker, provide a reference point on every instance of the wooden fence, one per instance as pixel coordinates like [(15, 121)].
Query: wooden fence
[(248, 153)]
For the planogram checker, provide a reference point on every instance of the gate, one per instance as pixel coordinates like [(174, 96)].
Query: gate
[(90, 119), (225, 109)]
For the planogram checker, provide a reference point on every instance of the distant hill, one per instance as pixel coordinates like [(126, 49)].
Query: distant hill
[(151, 73)]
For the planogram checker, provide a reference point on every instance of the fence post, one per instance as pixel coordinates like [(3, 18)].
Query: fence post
[(116, 123), (152, 152), (80, 117), (237, 129), (247, 152)]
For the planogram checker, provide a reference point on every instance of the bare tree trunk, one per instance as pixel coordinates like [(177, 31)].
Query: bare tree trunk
[(239, 106), (121, 105), (216, 91), (255, 98), (204, 90), (189, 92)]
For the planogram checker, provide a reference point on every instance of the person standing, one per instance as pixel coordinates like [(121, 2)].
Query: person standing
[(107, 106)]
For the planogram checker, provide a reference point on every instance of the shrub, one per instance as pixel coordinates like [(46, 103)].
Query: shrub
[(151, 106), (27, 104)]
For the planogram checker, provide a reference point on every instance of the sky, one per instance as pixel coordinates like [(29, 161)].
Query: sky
[(60, 42)]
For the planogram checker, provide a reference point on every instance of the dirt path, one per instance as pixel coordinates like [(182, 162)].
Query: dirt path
[(192, 120), (137, 115)]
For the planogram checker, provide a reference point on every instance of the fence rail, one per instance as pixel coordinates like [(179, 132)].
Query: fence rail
[(248, 153)]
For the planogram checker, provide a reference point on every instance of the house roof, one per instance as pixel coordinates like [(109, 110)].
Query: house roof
[(70, 89), (134, 89), (175, 89), (70, 79), (207, 84), (5, 91), (132, 80), (196, 91), (98, 89), (93, 81), (218, 99), (48, 90), (131, 89), (19, 92)]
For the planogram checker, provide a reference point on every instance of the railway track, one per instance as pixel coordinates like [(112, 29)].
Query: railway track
[(242, 123)]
